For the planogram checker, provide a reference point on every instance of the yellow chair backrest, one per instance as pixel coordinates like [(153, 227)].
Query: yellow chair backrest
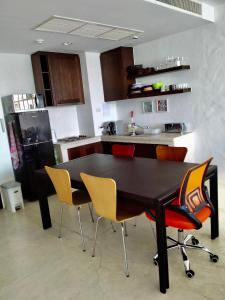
[(103, 195), (61, 181), (191, 192)]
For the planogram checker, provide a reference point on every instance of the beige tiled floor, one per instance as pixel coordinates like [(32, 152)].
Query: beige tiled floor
[(35, 264)]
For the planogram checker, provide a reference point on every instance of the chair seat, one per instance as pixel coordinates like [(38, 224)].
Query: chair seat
[(177, 220), (127, 210), (80, 197)]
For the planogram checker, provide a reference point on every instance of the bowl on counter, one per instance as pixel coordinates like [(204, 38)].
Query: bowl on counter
[(152, 131)]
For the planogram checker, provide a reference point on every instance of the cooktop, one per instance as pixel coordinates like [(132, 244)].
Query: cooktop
[(72, 139)]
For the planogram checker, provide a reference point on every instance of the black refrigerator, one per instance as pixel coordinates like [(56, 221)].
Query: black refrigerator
[(31, 147)]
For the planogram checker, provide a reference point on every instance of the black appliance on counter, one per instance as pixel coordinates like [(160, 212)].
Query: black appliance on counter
[(113, 128), (31, 146), (174, 127)]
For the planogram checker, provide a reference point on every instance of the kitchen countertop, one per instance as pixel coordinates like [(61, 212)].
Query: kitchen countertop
[(171, 139), (162, 138)]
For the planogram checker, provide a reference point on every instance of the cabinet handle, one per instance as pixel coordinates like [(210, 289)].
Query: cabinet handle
[(2, 125)]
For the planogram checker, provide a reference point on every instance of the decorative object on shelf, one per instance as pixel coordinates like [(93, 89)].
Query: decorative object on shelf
[(162, 105), (158, 85), (157, 93), (141, 90), (148, 106), (171, 62), (150, 71)]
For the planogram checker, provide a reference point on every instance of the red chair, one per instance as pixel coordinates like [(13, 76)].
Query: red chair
[(123, 150), (188, 211)]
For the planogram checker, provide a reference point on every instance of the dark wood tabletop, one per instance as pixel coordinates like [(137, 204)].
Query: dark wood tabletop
[(145, 180)]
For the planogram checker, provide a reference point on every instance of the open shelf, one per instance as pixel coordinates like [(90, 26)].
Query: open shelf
[(151, 71), (158, 93)]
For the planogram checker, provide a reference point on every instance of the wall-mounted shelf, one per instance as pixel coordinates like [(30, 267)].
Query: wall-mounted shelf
[(151, 71), (158, 93)]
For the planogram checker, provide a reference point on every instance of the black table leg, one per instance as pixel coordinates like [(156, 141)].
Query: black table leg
[(45, 213), (214, 198), (162, 249), (1, 203)]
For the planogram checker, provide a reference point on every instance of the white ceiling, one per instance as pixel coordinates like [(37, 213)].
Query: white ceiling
[(18, 18)]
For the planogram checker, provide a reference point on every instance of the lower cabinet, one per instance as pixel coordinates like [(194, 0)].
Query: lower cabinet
[(141, 150), (85, 150)]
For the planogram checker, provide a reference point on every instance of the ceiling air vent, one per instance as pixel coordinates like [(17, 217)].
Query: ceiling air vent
[(187, 5)]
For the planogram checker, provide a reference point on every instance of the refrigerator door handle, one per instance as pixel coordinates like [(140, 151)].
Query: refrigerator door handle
[(2, 125)]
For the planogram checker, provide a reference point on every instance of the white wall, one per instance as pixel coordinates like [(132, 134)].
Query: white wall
[(15, 77), (84, 111), (101, 111), (64, 120), (204, 108)]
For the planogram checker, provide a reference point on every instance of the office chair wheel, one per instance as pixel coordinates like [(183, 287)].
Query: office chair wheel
[(155, 261), (190, 273), (194, 241), (214, 258)]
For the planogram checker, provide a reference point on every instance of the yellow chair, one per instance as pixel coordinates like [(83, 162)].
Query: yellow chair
[(61, 181), (103, 195)]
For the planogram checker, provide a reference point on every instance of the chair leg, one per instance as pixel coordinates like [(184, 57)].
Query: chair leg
[(91, 213), (125, 228), (60, 224), (185, 259), (153, 231), (81, 229), (113, 228), (96, 231), (124, 249), (188, 238), (135, 222)]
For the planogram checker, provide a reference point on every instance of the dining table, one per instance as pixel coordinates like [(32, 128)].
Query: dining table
[(150, 183)]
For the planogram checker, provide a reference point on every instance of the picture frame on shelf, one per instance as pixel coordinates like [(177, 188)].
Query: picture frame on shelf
[(148, 106), (162, 105)]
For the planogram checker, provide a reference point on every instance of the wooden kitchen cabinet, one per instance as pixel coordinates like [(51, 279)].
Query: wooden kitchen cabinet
[(58, 77), (141, 150), (114, 65), (85, 150)]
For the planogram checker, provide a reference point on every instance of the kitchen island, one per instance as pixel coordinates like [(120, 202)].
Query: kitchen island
[(145, 145)]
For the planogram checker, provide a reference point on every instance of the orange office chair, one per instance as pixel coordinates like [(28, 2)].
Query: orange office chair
[(61, 181), (103, 195), (188, 211), (123, 150), (171, 153)]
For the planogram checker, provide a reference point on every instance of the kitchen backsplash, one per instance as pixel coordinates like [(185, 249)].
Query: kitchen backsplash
[(63, 121)]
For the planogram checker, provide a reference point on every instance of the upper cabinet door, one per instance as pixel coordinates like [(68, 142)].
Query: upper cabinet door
[(66, 80), (58, 77), (114, 65)]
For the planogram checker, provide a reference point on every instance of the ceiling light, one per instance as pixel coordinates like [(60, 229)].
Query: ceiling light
[(39, 41), (58, 24), (91, 30), (67, 43), (117, 34), (86, 28)]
